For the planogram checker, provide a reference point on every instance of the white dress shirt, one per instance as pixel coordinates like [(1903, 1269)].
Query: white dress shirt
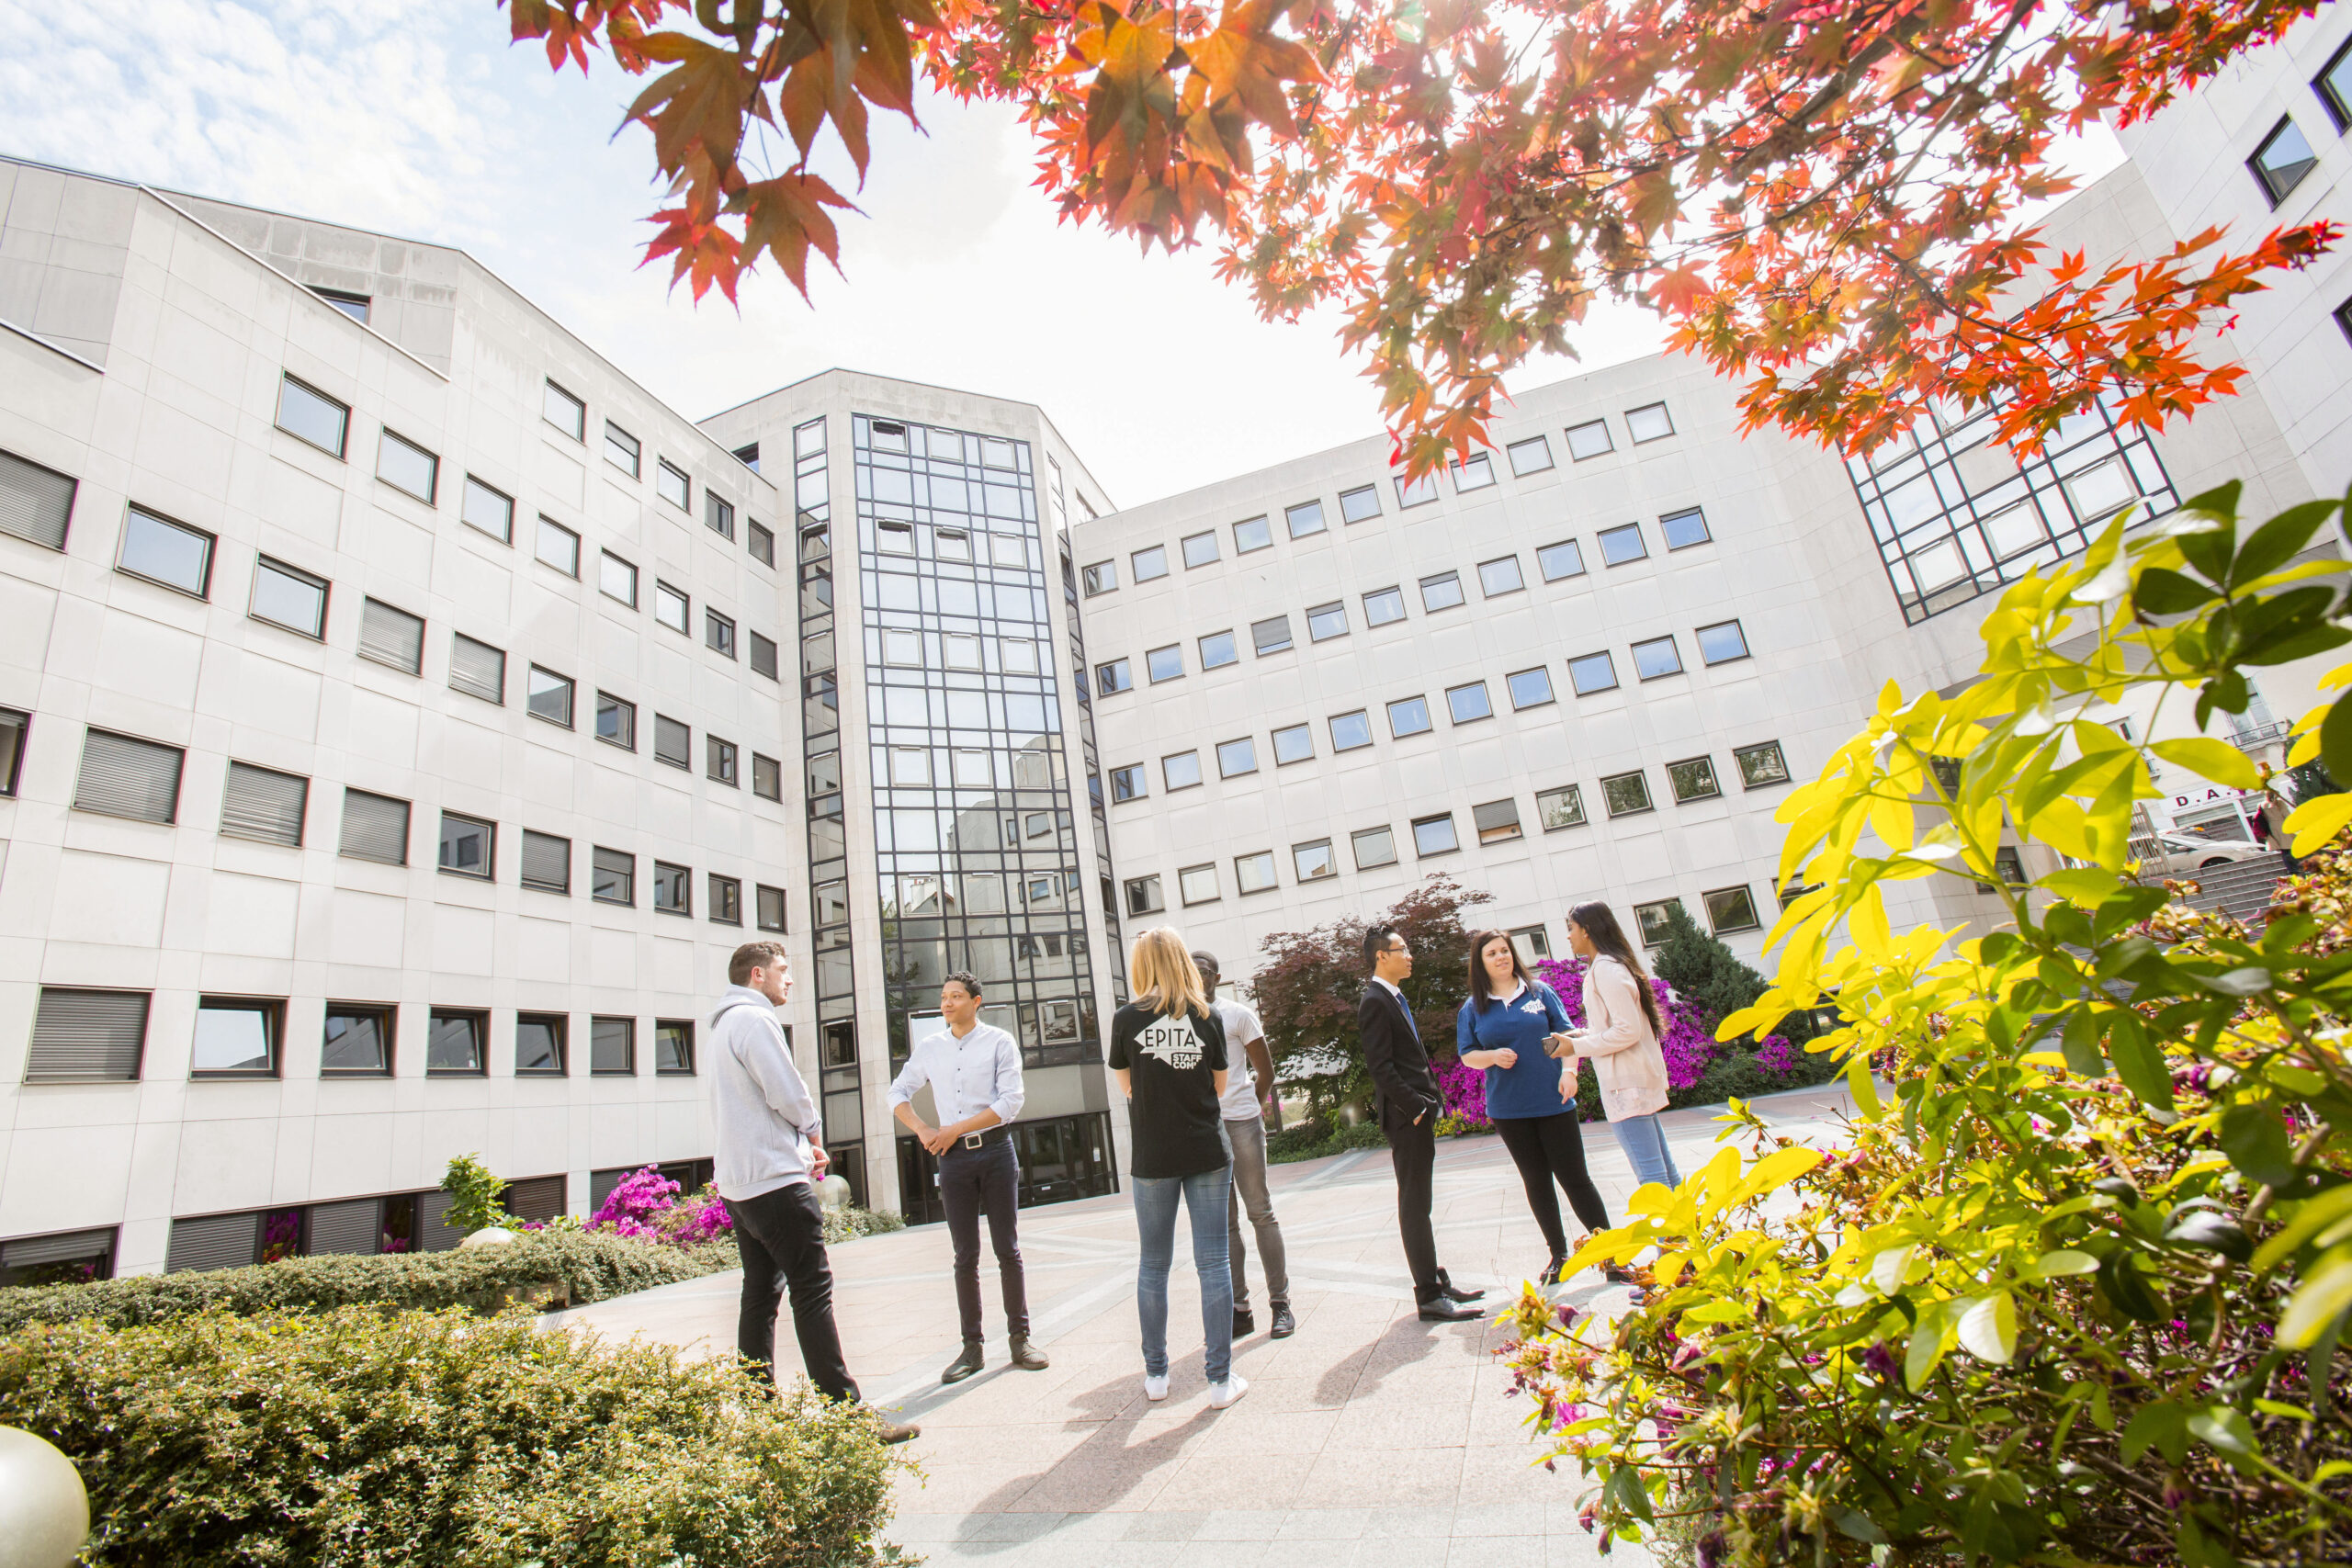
[(968, 1074)]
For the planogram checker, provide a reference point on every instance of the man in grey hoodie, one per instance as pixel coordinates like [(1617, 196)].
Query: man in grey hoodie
[(771, 1153)]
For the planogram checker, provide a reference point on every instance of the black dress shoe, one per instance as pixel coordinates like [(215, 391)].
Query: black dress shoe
[(1437, 1309), (1285, 1325), (1456, 1292), (1243, 1323), (964, 1366), (1027, 1357), (1552, 1269)]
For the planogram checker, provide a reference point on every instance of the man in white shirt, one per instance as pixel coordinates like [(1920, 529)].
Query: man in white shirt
[(1247, 1088), (974, 1071)]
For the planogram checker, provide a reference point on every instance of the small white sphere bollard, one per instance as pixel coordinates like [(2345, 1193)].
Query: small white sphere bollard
[(833, 1191), (44, 1511), (490, 1236)]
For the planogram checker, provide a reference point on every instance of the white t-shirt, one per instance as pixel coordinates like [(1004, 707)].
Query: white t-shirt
[(1241, 1028)]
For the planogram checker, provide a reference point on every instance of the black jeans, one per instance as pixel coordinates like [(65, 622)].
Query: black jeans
[(781, 1235), (972, 1182), (1412, 1151), (1548, 1149)]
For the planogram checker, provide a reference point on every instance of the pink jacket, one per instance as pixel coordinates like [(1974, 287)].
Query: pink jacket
[(1617, 1036)]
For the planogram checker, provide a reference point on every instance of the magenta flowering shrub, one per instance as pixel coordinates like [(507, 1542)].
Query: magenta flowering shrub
[(1464, 1090), (1689, 1040), (649, 1206)]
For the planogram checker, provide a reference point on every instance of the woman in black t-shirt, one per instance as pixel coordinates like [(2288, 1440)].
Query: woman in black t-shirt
[(1168, 1052)]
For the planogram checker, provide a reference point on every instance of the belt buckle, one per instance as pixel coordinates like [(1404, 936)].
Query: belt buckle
[(974, 1141)]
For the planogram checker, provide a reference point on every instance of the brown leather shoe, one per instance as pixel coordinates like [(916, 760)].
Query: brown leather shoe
[(1027, 1357), (891, 1431)]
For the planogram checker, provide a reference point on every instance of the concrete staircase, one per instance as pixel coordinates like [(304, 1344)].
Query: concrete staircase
[(2240, 889)]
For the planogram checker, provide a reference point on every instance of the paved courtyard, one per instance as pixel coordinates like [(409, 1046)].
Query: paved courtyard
[(1368, 1437)]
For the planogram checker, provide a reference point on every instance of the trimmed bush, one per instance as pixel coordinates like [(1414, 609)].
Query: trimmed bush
[(849, 1222), (357, 1438), (1313, 1140)]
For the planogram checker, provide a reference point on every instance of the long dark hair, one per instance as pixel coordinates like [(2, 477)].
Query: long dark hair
[(1481, 992), (1600, 924)]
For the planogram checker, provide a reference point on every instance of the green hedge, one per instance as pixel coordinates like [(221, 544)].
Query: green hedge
[(356, 1436), (1313, 1140)]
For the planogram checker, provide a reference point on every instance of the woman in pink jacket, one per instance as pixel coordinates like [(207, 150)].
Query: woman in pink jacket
[(1619, 1036)]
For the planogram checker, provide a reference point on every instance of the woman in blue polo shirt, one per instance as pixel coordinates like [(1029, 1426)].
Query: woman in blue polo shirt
[(1531, 1096)]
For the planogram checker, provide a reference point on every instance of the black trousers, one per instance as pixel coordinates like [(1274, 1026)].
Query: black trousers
[(1548, 1149), (972, 1182), (781, 1235), (1412, 1151)]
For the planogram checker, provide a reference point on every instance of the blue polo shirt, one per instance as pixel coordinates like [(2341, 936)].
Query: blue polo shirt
[(1532, 1087)]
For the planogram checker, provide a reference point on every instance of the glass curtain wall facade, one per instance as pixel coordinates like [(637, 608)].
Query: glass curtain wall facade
[(1114, 950)]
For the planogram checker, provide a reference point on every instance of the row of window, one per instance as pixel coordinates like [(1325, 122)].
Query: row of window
[(2285, 156), (88, 1035), (1439, 592), (1306, 519)]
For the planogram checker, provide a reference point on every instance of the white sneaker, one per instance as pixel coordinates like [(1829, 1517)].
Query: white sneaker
[(1155, 1388), (1225, 1393)]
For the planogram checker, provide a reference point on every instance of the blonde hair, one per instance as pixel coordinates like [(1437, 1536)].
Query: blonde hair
[(1165, 977)]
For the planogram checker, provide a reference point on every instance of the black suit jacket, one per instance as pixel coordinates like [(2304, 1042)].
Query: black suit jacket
[(1401, 1068)]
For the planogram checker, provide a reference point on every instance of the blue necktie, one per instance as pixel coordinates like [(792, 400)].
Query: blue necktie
[(1408, 1012)]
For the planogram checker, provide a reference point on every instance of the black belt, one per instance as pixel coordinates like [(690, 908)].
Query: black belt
[(981, 1139)]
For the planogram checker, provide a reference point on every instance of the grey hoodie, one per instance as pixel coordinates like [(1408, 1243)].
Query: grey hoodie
[(764, 1116)]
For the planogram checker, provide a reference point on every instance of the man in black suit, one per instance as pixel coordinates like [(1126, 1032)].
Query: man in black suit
[(1409, 1104)]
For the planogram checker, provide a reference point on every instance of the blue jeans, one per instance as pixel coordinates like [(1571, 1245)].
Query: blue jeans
[(1643, 1142), (1204, 1199)]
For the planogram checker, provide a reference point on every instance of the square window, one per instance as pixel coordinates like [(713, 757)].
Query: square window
[(903, 648), (289, 597), (1218, 649), (911, 766), (559, 548), (1685, 528), (1304, 520), (453, 1043), (1149, 563), (1129, 783), (621, 449), (235, 1037), (539, 1045), (1469, 704), (673, 741), (1648, 423), (721, 762), (1382, 606), (1199, 550), (960, 650), (1693, 779), (718, 633), (551, 696), (726, 900), (1416, 492), (358, 1041), (1655, 920), (718, 516), (1497, 821), (1442, 592), (13, 725), (1590, 440), (895, 538), (1732, 910), (1237, 757), (1255, 874), (1372, 847), (1761, 766), (1114, 677), (615, 878), (1478, 473), (1197, 884), (564, 411), (1722, 643), (1144, 897), (1351, 730), (1294, 743), (308, 414), (761, 540), (612, 1047), (1530, 688), (1326, 621), (616, 579), (468, 846), (1435, 836), (1181, 771), (1269, 635), (1164, 663), (670, 485), (768, 907), (767, 777), (171, 554), (969, 768), (375, 827), (546, 862), (673, 1047), (2334, 85), (1530, 456), (616, 721), (672, 888), (1409, 716), (1252, 534), (2282, 160), (1099, 578), (1500, 576), (1592, 672), (408, 467), (671, 607), (352, 305), (1563, 560), (956, 544), (763, 656), (1558, 809), (477, 669), (1535, 943), (1626, 794), (488, 511), (1657, 657), (1623, 543), (1360, 504)]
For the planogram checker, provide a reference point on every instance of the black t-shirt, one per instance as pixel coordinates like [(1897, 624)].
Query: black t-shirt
[(1172, 1115)]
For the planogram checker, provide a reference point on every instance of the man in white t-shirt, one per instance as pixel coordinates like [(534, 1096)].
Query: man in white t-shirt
[(1248, 1086)]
